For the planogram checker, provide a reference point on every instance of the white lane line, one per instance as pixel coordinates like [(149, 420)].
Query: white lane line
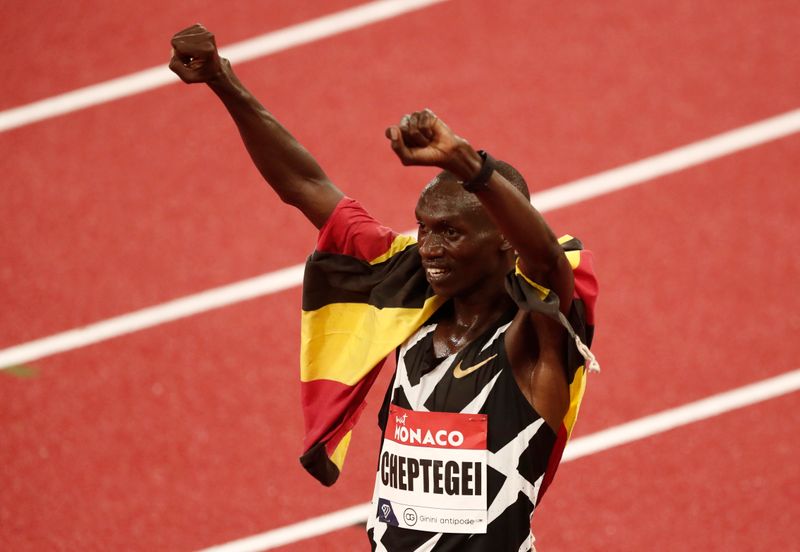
[(583, 446), (307, 529), (273, 282), (266, 44), (654, 424), (215, 298), (671, 161)]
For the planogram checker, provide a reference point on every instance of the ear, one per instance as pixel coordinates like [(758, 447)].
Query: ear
[(505, 245)]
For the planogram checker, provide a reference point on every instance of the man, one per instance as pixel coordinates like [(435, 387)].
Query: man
[(490, 315)]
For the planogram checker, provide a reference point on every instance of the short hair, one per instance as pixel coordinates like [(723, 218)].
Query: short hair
[(513, 176), (505, 169)]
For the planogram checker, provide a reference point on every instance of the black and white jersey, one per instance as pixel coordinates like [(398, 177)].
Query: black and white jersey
[(476, 380)]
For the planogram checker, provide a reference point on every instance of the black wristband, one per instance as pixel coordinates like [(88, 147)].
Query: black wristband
[(481, 180)]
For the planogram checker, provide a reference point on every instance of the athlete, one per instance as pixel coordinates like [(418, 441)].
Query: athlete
[(489, 312)]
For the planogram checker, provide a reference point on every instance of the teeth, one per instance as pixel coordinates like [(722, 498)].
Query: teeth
[(436, 271)]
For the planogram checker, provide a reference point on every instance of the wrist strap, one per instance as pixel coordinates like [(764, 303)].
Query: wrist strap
[(481, 180)]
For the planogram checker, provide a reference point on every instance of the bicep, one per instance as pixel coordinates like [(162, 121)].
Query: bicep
[(316, 199)]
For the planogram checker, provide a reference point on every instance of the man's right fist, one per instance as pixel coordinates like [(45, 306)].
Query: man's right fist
[(194, 55)]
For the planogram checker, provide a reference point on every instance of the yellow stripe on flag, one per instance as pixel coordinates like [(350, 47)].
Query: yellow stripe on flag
[(576, 391), (399, 243), (543, 291), (344, 341), (574, 258), (341, 450)]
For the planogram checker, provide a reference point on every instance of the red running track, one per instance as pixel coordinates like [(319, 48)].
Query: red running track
[(186, 435)]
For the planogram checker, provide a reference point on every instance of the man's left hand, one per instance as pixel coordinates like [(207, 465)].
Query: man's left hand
[(422, 138)]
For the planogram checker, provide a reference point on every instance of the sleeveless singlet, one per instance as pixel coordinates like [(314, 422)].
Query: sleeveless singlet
[(518, 444)]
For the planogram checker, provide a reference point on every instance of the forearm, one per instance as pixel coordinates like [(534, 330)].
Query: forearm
[(422, 138), (283, 162), (521, 224)]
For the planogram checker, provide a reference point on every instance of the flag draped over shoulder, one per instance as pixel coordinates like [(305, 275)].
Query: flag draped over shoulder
[(365, 293)]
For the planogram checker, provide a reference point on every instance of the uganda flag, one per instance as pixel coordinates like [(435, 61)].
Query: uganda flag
[(364, 294)]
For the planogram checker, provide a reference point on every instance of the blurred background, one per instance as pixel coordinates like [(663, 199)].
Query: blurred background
[(152, 433)]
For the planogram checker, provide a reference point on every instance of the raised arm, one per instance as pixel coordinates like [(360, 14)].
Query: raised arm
[(283, 162), (422, 138), (534, 342)]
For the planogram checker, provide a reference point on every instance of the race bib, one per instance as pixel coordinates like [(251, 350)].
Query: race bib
[(432, 472)]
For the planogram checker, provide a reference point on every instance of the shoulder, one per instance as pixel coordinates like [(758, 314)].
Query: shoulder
[(352, 230)]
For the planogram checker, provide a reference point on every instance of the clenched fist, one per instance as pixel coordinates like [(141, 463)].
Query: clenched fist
[(422, 138), (194, 55)]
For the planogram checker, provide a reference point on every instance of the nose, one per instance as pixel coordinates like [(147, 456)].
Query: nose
[(431, 247)]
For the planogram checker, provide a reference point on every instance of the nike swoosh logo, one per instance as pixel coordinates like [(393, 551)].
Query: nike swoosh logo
[(458, 373)]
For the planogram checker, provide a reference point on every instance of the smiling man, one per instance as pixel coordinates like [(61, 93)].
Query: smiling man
[(489, 314)]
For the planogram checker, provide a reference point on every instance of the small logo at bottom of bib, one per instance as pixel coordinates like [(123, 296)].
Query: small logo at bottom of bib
[(386, 513)]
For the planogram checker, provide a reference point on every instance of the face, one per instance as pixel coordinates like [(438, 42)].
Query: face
[(462, 251)]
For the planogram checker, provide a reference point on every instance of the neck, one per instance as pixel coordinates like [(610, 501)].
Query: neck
[(480, 308), (486, 302), (469, 316)]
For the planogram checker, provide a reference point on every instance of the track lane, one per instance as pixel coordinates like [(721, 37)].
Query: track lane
[(262, 45), (642, 428), (583, 189), (57, 242), (214, 499), (693, 290), (182, 427), (728, 483), (55, 51), (173, 440)]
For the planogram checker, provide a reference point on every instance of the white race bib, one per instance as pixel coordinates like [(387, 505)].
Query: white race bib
[(432, 472)]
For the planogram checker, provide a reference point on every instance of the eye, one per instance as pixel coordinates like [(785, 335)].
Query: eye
[(451, 232)]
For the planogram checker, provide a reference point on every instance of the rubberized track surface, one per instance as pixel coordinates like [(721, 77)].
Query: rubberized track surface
[(186, 435)]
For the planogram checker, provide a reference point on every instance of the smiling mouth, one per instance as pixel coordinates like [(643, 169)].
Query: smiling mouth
[(436, 274)]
